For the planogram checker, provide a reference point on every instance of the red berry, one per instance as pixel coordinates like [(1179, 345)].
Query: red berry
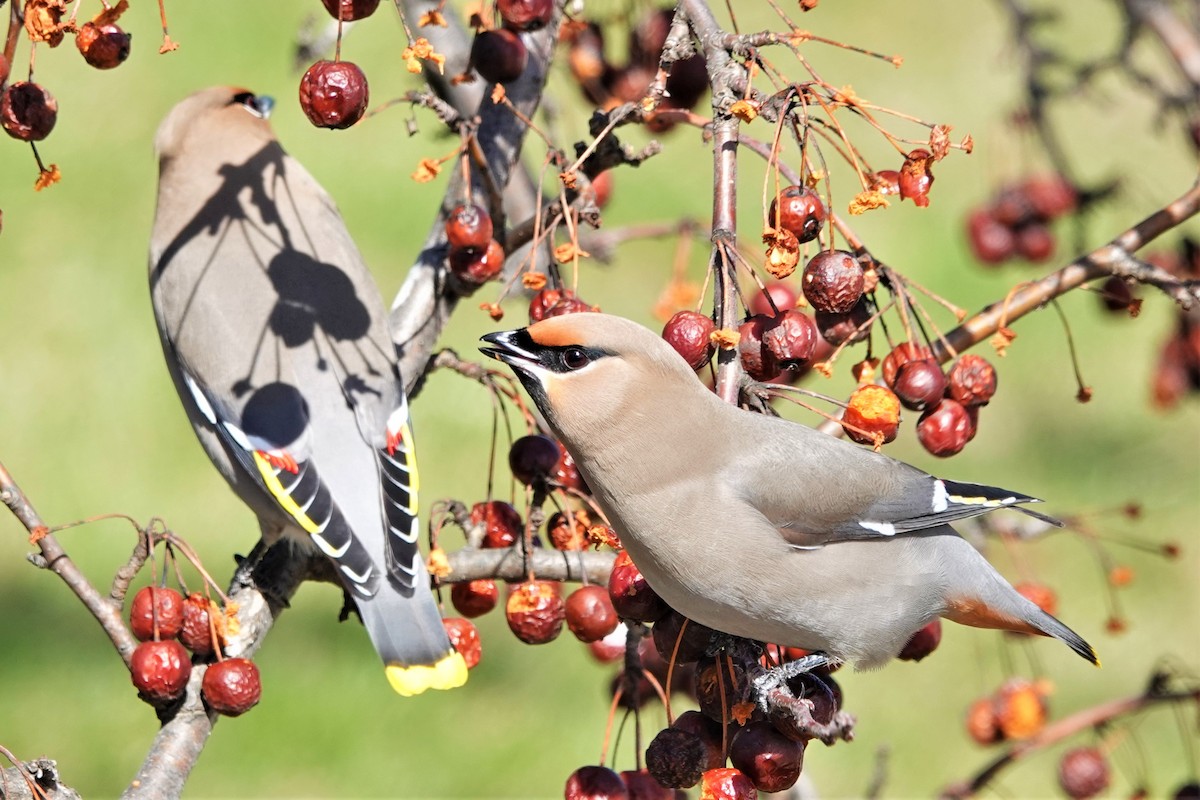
[(525, 15), (102, 46), (590, 614), (919, 383), (555, 302), (631, 596), (566, 532), (791, 339), (1083, 772), (769, 759), (872, 410), (900, 355), (533, 458), (923, 642), (1050, 196), (886, 182), (799, 210), (231, 687), (982, 725), (595, 783), (160, 670), (334, 94), (474, 598), (535, 611), (833, 281), (566, 474), (642, 786), (612, 647), (1012, 208), (945, 429), (1117, 294), (757, 360), (849, 327), (1035, 243), (27, 111), (693, 643), (502, 523), (916, 177), (350, 9), (195, 632), (1040, 595), (498, 56), (991, 241), (676, 758), (688, 332), (477, 267), (972, 380), (151, 602), (469, 226), (602, 185), (781, 293), (464, 637), (725, 783)]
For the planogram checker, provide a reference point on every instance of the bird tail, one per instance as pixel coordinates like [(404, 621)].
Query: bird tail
[(1050, 626), (407, 632)]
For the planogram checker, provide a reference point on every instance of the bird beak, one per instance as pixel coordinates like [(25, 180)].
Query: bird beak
[(511, 347)]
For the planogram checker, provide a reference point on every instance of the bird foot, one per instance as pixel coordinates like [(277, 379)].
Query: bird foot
[(798, 711), (777, 677)]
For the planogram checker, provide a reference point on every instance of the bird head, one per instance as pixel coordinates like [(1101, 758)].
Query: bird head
[(219, 114), (589, 365)]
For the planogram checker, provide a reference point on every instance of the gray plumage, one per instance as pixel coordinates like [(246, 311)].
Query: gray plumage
[(275, 335), (754, 525)]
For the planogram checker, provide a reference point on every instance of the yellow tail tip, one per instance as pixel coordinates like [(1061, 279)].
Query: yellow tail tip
[(448, 673)]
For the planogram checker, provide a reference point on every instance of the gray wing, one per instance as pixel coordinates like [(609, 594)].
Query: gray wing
[(816, 488)]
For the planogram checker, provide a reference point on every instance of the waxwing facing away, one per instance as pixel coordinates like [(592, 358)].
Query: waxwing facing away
[(755, 525), (276, 338)]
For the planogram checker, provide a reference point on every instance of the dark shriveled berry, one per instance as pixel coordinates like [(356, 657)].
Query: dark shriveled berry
[(757, 360), (689, 333), (791, 339), (900, 355), (334, 94), (714, 684), (833, 281), (707, 731), (642, 786), (972, 380), (195, 632), (849, 327), (231, 687), (595, 783), (693, 643), (676, 758), (27, 111), (498, 56), (923, 642)]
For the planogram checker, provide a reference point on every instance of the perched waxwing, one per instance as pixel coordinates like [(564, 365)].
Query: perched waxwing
[(275, 335), (755, 525)]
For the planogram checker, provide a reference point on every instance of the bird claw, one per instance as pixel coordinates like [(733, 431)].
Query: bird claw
[(776, 678)]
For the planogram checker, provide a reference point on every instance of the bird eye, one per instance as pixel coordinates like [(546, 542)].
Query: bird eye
[(575, 358)]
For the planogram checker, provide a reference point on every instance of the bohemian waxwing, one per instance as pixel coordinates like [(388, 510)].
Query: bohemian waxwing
[(276, 338), (755, 525)]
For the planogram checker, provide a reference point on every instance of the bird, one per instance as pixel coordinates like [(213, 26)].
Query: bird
[(276, 339), (754, 525)]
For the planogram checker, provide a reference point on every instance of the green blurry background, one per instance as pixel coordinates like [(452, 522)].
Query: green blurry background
[(89, 422)]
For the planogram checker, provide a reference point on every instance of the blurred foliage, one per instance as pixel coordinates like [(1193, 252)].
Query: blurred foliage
[(89, 422)]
